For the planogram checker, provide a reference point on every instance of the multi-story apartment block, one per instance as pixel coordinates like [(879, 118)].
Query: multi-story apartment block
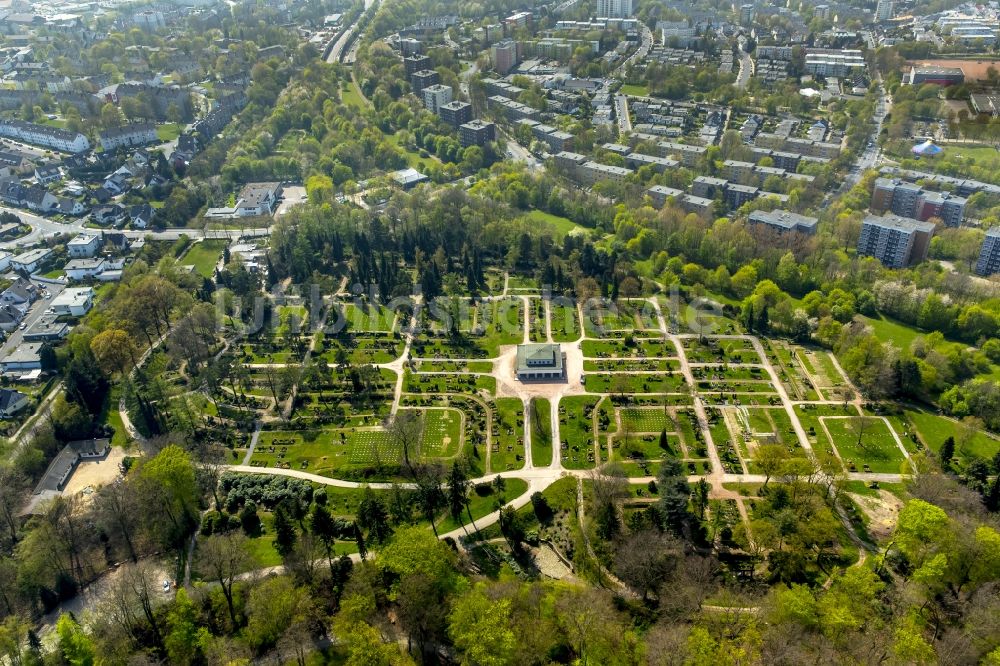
[(989, 254), (895, 241)]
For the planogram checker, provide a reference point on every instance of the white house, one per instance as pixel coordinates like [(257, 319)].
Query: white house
[(44, 135), (38, 199), (21, 292), (11, 402), (11, 316), (257, 199), (134, 134), (74, 301), (83, 269), (84, 245), (4, 261), (47, 173), (30, 261), (23, 359), (73, 207)]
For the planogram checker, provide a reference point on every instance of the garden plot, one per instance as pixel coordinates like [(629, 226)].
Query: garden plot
[(629, 348), (819, 366), (317, 451), (522, 284), (565, 321), (797, 382), (360, 348), (720, 351), (364, 318), (497, 323), (374, 448), (631, 365), (726, 441), (576, 431), (441, 433), (460, 366), (537, 321), (865, 443), (473, 425), (637, 448), (508, 435), (449, 383), (646, 420), (625, 383), (606, 318), (449, 315)]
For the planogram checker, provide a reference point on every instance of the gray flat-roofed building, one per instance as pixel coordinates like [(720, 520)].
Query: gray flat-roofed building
[(708, 186), (736, 170), (616, 148), (409, 178), (689, 155), (698, 205), (46, 328), (456, 113), (415, 63), (477, 133), (590, 173), (660, 194), (737, 195), (784, 221), (512, 110), (568, 160), (423, 79), (989, 253), (659, 164), (895, 241)]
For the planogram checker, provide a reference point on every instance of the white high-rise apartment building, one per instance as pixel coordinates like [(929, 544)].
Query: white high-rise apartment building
[(884, 10), (614, 8)]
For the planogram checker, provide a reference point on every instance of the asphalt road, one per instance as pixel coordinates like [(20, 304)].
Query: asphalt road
[(517, 152), (621, 112), (40, 228), (36, 311), (869, 157), (746, 69)]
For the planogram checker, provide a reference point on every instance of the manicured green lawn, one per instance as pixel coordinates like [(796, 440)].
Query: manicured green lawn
[(169, 131), (633, 383), (367, 318), (413, 158), (646, 420), (508, 435), (565, 322), (204, 256), (890, 330), (442, 435), (425, 365), (483, 503), (877, 449), (641, 348), (261, 547), (350, 95), (635, 90), (541, 432), (576, 431), (449, 383), (329, 451), (934, 429), (561, 225)]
